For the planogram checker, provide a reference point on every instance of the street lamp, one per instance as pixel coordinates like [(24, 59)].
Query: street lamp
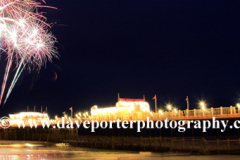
[(238, 105), (161, 112), (202, 104), (175, 110), (169, 107)]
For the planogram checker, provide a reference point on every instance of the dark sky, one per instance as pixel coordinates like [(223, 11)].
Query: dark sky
[(133, 47)]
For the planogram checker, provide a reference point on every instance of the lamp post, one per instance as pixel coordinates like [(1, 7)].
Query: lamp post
[(169, 107), (238, 105), (161, 112), (175, 110), (202, 104)]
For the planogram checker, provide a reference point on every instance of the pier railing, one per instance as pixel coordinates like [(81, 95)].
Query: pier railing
[(210, 112), (221, 112)]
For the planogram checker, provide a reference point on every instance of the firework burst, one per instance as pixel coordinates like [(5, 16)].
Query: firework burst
[(25, 38)]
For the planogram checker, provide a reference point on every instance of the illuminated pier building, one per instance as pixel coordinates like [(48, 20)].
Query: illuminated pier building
[(26, 116), (124, 109)]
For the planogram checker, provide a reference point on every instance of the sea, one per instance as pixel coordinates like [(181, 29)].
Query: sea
[(59, 151)]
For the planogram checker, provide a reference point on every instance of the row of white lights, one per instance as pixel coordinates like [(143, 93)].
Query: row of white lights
[(201, 104)]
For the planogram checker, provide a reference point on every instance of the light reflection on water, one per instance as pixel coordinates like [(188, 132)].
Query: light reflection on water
[(64, 151)]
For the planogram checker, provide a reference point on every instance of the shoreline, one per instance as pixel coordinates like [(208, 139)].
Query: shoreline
[(42, 145)]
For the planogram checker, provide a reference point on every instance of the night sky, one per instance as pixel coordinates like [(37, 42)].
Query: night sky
[(136, 47)]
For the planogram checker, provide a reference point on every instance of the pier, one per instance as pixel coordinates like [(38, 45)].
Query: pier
[(160, 140)]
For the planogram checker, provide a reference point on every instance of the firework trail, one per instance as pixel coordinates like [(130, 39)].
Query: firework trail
[(26, 38), (9, 64)]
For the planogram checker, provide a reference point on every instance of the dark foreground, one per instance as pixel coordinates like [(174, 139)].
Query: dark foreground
[(40, 150)]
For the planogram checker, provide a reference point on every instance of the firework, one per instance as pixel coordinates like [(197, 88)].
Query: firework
[(26, 38)]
